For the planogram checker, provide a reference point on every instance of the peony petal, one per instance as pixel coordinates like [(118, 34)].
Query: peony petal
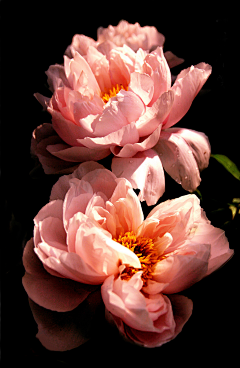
[(127, 207), (52, 209), (178, 159), (80, 43), (48, 291), (100, 252), (161, 74), (101, 180), (66, 129), (77, 154), (131, 149), (74, 68), (126, 134), (155, 115), (61, 187), (130, 105), (65, 331), (186, 87), (124, 300), (145, 172), (183, 270), (100, 67), (220, 252), (142, 85), (198, 143), (76, 199), (56, 77), (52, 232)]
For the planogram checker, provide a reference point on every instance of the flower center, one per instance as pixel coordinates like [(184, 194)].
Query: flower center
[(145, 250), (112, 92)]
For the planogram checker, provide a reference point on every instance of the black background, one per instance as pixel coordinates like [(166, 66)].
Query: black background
[(34, 36)]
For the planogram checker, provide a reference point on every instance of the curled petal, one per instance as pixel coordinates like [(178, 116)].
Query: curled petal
[(124, 300), (155, 115), (198, 143), (131, 149), (126, 134), (142, 85), (74, 70), (220, 252), (186, 87), (178, 159), (145, 172), (183, 269)]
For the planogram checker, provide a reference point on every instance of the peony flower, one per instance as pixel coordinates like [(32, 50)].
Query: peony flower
[(122, 102), (93, 233), (132, 35)]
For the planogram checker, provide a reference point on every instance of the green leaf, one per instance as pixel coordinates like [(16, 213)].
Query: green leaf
[(228, 164)]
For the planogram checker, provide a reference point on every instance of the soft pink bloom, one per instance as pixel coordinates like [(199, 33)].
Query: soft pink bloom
[(132, 35), (121, 102), (93, 232)]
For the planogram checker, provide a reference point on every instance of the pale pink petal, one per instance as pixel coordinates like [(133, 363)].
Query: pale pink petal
[(61, 187), (51, 209), (178, 216), (155, 115), (76, 199), (178, 159), (80, 43), (186, 87), (127, 206), (142, 85), (120, 67), (161, 74), (52, 232), (74, 69), (65, 331), (66, 129), (100, 67), (101, 180), (124, 300), (183, 269), (198, 143), (77, 154), (130, 105), (153, 36), (130, 150), (145, 172), (126, 134), (97, 249), (220, 252), (48, 291)]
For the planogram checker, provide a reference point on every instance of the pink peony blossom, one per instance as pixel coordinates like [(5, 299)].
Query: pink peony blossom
[(122, 102), (132, 35), (93, 232)]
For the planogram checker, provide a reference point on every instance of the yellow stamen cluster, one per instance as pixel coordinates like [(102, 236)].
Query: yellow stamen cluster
[(112, 92), (146, 252)]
